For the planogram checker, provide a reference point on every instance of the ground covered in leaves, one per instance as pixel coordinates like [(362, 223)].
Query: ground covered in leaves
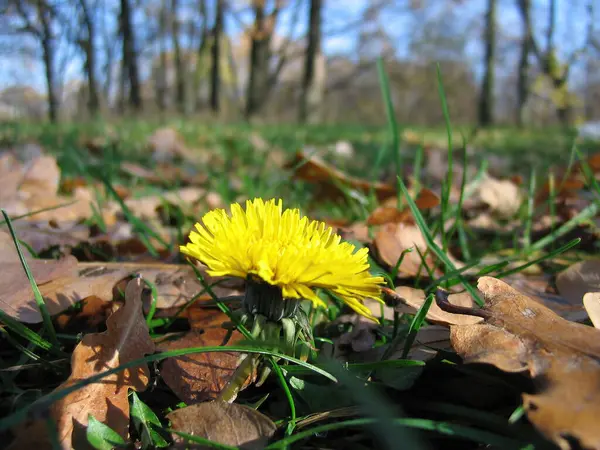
[(111, 338)]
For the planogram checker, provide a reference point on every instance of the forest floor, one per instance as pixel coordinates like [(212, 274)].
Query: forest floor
[(112, 338)]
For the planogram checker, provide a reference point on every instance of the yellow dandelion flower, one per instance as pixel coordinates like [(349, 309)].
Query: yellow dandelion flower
[(283, 249)]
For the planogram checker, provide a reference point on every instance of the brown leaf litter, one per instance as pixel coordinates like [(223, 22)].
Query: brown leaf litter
[(393, 239), (389, 213), (32, 186), (328, 179), (202, 376), (562, 357), (126, 339), (225, 423), (65, 282)]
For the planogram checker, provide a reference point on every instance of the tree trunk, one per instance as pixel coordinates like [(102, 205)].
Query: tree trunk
[(130, 57), (200, 100), (90, 60), (215, 77), (48, 56), (259, 62), (161, 70), (309, 97), (486, 100), (523, 80), (179, 70)]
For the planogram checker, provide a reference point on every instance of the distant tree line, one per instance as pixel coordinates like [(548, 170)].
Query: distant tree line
[(265, 59)]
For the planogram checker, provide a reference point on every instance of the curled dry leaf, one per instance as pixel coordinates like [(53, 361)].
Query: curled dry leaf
[(519, 334), (125, 339), (394, 238), (408, 300), (201, 376), (225, 423), (328, 178)]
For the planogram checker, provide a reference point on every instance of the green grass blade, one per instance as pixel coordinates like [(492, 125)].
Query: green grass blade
[(206, 443), (447, 185), (584, 215), (416, 323), (39, 299), (431, 244), (444, 428), (45, 402), (549, 255), (530, 211), (391, 119), (288, 395)]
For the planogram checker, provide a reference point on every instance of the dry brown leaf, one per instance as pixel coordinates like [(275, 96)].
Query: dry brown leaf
[(390, 214), (65, 282), (147, 207), (11, 174), (591, 301), (357, 231), (176, 284), (41, 236), (226, 423), (357, 344), (16, 298), (502, 197), (166, 144), (126, 339), (314, 170), (200, 377), (34, 186), (165, 174), (40, 178), (577, 280), (539, 289), (394, 238), (520, 334), (408, 300), (93, 313), (568, 181)]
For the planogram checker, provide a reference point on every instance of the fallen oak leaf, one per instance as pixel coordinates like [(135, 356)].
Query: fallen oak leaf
[(225, 423), (126, 339), (202, 376), (314, 170), (393, 239), (519, 334)]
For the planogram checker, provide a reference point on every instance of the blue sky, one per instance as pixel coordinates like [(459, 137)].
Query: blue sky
[(15, 69)]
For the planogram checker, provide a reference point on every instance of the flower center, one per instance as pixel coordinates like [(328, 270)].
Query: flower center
[(266, 299)]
